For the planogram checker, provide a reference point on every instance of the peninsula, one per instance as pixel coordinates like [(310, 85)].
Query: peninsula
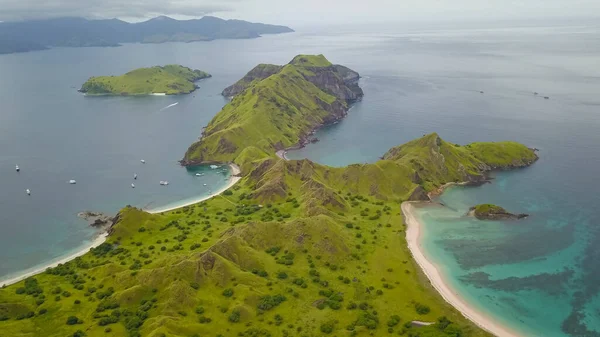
[(167, 80), (295, 248)]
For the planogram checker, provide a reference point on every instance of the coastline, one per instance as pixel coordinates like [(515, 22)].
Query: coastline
[(413, 233), (100, 239), (233, 179)]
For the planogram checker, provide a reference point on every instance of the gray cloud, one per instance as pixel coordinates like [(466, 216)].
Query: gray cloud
[(294, 12), (11, 10)]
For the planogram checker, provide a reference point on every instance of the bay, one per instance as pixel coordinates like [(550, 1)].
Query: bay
[(417, 79)]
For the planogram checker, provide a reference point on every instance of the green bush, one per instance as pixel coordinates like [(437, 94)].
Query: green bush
[(235, 316), (327, 327), (422, 309), (228, 292), (72, 320)]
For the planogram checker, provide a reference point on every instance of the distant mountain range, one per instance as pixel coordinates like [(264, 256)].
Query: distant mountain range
[(26, 36)]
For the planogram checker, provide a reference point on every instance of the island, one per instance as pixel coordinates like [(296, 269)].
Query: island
[(23, 36), (293, 248), (493, 212), (167, 80)]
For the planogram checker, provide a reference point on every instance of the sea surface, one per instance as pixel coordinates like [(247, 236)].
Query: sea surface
[(539, 276)]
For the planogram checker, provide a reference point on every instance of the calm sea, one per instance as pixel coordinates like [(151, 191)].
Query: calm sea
[(539, 276)]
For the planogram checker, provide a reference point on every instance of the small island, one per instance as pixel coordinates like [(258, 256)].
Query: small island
[(493, 212), (166, 80)]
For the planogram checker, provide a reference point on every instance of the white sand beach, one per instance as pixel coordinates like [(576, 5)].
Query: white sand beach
[(37, 270), (233, 179), (412, 238)]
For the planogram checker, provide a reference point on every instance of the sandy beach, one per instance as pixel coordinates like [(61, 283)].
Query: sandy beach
[(412, 238), (37, 270), (233, 179)]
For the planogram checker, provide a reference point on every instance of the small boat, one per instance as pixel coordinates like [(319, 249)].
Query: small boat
[(481, 92), (199, 174), (204, 184), (546, 97), (72, 182), (28, 192), (17, 168), (134, 176), (143, 161), (214, 167), (536, 93), (164, 183), (132, 186)]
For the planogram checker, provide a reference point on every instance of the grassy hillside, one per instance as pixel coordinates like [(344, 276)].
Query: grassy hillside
[(275, 112), (170, 79), (294, 249), (230, 267)]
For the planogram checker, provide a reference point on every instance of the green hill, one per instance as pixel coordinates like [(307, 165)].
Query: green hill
[(277, 112), (170, 80), (294, 249)]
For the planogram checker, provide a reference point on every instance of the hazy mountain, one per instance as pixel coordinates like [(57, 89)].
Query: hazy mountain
[(79, 32)]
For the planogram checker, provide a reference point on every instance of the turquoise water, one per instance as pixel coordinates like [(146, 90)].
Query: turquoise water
[(417, 79), (540, 275)]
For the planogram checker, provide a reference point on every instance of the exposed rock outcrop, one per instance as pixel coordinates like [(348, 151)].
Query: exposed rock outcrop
[(97, 219), (260, 72)]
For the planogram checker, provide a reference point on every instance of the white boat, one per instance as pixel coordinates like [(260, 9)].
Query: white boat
[(199, 174), (28, 192), (132, 186), (134, 176), (17, 168), (72, 182), (204, 184), (143, 161), (214, 167), (164, 183)]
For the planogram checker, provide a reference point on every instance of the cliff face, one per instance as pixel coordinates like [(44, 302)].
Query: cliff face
[(260, 72), (276, 107), (336, 80)]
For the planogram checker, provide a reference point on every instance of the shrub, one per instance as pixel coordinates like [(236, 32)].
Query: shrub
[(228, 292), (422, 309), (327, 327), (393, 321), (269, 302), (282, 275), (235, 316), (72, 320)]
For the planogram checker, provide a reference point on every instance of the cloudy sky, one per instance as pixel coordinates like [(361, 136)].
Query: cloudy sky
[(294, 12)]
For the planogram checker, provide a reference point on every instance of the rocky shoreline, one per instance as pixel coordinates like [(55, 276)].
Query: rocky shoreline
[(97, 219)]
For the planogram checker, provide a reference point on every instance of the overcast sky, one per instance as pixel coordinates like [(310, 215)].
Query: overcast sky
[(300, 12)]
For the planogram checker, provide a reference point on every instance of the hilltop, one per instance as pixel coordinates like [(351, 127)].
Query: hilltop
[(170, 80), (276, 108), (294, 249), (80, 32)]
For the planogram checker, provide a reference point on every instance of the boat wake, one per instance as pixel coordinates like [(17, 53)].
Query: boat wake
[(169, 106)]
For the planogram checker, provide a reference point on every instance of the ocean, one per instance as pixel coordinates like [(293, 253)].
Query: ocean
[(538, 276)]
